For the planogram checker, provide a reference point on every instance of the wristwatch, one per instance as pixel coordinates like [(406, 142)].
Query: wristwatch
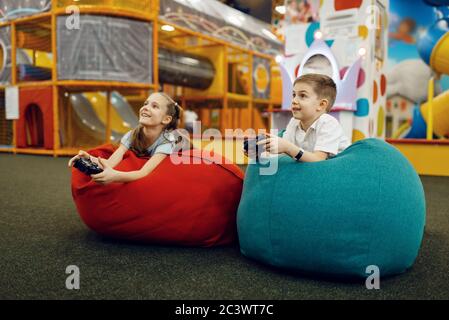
[(300, 153)]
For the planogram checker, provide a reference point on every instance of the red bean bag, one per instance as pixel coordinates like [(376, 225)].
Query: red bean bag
[(184, 204)]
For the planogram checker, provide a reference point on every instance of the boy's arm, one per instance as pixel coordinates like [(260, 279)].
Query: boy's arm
[(329, 136), (307, 156), (279, 145)]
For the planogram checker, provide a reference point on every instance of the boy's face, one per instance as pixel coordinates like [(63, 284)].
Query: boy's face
[(306, 105)]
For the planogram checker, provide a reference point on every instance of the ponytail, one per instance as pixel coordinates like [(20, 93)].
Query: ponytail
[(176, 112), (138, 142)]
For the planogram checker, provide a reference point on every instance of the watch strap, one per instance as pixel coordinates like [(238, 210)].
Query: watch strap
[(300, 153)]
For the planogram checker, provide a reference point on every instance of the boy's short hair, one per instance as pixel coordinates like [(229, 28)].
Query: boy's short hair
[(323, 86)]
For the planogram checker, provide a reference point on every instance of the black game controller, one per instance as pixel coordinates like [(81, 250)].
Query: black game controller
[(86, 166), (251, 144)]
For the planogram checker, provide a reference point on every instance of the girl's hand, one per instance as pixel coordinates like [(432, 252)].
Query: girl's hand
[(274, 144), (81, 154), (97, 161), (107, 176)]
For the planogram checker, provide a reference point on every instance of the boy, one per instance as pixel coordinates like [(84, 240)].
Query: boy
[(311, 135)]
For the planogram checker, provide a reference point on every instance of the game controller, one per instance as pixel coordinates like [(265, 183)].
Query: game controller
[(86, 166), (251, 144)]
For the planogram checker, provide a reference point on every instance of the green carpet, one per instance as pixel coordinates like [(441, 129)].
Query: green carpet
[(41, 234)]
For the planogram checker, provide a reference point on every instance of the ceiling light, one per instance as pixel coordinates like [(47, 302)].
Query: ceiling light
[(168, 28), (280, 9)]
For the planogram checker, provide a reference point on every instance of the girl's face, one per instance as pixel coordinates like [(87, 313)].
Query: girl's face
[(154, 111), (305, 105)]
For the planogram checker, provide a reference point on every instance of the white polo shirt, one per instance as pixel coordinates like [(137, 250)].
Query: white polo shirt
[(325, 134)]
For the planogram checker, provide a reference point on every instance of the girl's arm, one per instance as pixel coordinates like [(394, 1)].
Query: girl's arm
[(149, 166), (113, 160), (117, 156), (110, 175)]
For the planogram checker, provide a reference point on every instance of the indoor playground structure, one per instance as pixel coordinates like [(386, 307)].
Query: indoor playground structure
[(359, 69), (78, 84), (424, 137), (357, 65), (219, 63), (432, 117), (65, 85)]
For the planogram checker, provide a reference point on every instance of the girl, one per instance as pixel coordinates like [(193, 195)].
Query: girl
[(153, 137)]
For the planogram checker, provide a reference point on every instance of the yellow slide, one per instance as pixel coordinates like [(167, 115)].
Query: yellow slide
[(440, 106), (43, 59), (439, 62), (96, 99), (98, 103)]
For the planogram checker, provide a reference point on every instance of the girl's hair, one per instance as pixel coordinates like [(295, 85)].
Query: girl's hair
[(174, 110), (138, 141)]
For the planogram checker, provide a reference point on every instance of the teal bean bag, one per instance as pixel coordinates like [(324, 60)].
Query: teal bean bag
[(336, 217)]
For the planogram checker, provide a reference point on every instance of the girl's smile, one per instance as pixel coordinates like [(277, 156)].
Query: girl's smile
[(145, 114)]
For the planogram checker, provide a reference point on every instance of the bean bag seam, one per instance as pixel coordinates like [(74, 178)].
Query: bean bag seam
[(228, 167), (238, 174), (379, 188), (271, 217)]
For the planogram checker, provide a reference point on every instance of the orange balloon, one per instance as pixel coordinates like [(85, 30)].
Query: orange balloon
[(375, 93), (383, 84)]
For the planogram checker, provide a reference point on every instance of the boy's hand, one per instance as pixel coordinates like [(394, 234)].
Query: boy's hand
[(107, 176), (250, 154), (81, 154), (250, 151), (275, 144)]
